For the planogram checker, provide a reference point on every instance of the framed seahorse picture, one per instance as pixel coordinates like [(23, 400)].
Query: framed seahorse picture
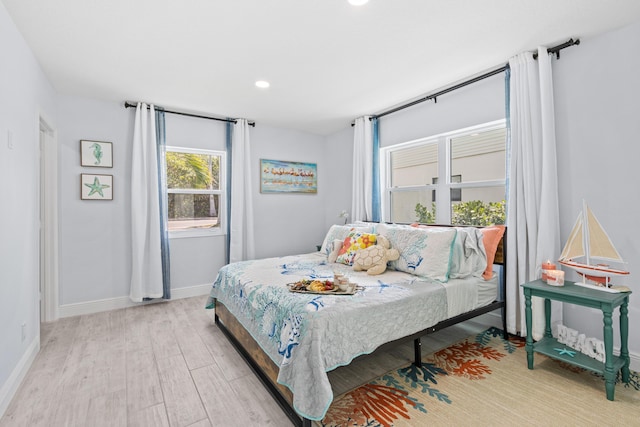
[(96, 154)]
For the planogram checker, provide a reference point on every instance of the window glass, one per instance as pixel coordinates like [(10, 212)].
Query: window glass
[(414, 165), (187, 211), (481, 206), (187, 170), (479, 148), (412, 206), (194, 186), (465, 169)]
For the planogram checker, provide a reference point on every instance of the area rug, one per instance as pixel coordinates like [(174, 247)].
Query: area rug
[(484, 380)]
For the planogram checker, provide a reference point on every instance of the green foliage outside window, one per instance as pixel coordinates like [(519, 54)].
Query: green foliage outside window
[(425, 215), (473, 212), (192, 171)]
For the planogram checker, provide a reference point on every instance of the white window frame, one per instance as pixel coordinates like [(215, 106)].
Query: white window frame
[(221, 229), (444, 186)]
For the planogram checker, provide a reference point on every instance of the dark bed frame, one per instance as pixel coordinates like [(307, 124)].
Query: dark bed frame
[(267, 371)]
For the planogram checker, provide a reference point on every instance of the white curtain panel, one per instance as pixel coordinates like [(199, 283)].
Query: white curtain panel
[(146, 272), (242, 241), (534, 230), (361, 203)]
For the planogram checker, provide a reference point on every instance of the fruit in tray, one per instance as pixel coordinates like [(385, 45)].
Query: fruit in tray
[(301, 285), (320, 286), (313, 285)]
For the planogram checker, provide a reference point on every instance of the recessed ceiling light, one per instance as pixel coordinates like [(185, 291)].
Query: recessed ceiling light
[(358, 2), (262, 84)]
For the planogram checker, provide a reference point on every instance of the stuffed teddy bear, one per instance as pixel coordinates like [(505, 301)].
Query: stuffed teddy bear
[(374, 258)]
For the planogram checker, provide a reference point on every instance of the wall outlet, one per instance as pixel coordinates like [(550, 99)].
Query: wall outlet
[(24, 332)]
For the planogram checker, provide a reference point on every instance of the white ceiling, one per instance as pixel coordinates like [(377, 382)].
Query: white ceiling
[(328, 62)]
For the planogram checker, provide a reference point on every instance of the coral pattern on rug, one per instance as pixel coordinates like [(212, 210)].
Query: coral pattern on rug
[(382, 402), (449, 388)]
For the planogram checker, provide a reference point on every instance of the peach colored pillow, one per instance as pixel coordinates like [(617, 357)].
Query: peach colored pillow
[(491, 238)]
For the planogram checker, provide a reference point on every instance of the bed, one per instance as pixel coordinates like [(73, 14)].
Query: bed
[(291, 340)]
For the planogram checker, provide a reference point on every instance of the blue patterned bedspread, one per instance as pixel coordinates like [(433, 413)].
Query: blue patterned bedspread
[(308, 334)]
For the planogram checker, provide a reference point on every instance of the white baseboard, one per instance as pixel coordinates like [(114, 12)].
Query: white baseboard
[(10, 387), (634, 364), (89, 307), (191, 291)]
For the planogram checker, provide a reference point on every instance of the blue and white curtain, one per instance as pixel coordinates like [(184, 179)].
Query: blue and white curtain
[(365, 203), (161, 142), (149, 235), (241, 230), (375, 198), (532, 186), (229, 149)]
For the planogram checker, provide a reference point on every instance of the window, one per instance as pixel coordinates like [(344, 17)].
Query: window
[(196, 191), (456, 193), (454, 178)]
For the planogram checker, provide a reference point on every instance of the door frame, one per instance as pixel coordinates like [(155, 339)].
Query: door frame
[(49, 267)]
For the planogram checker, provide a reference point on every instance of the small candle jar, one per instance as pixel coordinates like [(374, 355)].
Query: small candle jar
[(555, 277), (546, 267), (343, 284)]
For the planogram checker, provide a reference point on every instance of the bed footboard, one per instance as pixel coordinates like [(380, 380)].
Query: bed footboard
[(257, 359)]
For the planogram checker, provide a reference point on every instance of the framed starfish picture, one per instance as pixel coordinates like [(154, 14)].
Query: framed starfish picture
[(96, 187), (96, 154)]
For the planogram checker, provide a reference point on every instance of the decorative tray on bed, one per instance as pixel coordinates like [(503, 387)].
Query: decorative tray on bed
[(322, 287)]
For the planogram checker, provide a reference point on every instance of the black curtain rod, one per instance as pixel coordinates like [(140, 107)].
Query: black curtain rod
[(442, 92), (557, 49), (554, 50), (128, 104)]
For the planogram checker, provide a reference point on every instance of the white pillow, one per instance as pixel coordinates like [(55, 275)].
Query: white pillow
[(423, 252)]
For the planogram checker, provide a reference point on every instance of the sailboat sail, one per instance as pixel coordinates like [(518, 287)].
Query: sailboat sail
[(588, 241), (600, 245), (574, 247)]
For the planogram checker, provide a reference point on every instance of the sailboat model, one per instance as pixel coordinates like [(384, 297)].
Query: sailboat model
[(589, 241)]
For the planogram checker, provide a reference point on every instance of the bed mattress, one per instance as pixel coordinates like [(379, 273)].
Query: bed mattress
[(307, 335)]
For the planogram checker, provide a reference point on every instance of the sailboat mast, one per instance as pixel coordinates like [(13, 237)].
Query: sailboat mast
[(585, 233)]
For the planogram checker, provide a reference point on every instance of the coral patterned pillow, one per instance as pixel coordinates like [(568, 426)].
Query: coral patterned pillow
[(352, 243), (423, 251)]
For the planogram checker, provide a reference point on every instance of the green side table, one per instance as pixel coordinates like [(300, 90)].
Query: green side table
[(579, 295)]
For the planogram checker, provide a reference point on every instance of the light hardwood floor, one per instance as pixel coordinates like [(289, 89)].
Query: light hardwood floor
[(166, 364)]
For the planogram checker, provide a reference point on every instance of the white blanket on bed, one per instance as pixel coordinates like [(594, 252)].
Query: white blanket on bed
[(308, 335)]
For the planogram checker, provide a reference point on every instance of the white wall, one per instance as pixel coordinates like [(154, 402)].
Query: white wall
[(598, 125), (289, 223), (339, 148), (95, 235), (479, 103), (25, 95), (95, 248)]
